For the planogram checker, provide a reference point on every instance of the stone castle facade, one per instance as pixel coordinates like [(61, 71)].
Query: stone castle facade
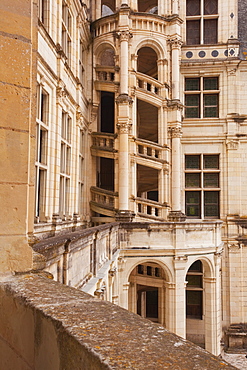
[(131, 166)]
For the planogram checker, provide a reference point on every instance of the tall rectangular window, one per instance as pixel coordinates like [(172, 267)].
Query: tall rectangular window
[(66, 31), (43, 12), (81, 61), (201, 97), (202, 186), (81, 173), (201, 22), (65, 165), (42, 124)]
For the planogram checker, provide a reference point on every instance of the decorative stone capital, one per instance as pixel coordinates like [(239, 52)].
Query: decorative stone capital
[(124, 35), (175, 43), (124, 99), (175, 132), (60, 91), (124, 128)]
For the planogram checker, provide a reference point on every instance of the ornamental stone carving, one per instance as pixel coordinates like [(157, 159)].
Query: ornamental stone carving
[(175, 132), (124, 128), (124, 35)]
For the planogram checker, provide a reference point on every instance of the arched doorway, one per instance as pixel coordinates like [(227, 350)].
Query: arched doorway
[(195, 311), (147, 291)]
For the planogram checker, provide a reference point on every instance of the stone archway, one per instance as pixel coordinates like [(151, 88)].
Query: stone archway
[(147, 292)]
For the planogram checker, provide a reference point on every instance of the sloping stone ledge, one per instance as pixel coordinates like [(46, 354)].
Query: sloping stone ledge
[(47, 325)]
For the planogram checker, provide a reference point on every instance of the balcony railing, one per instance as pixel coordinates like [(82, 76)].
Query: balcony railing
[(103, 201), (148, 84), (103, 141), (148, 208), (150, 150), (106, 74)]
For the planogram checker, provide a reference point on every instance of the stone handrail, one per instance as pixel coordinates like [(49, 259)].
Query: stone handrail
[(148, 83), (105, 74), (103, 141), (59, 327), (148, 207), (149, 149)]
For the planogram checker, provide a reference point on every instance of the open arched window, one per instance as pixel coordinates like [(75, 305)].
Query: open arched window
[(107, 8), (148, 6), (194, 291), (147, 62)]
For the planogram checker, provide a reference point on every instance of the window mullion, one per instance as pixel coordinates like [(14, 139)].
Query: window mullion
[(202, 23), (201, 100)]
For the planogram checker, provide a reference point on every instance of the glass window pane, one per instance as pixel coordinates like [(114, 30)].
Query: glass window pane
[(192, 162), (192, 180), (192, 112), (210, 105), (192, 200), (192, 84), (211, 204), (210, 31), (196, 266), (210, 100), (210, 7), (211, 161), (192, 103), (210, 83), (193, 32), (210, 112), (194, 304), (194, 280), (211, 180), (193, 7)]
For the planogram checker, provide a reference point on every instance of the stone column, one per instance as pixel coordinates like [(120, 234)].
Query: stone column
[(175, 51), (174, 6), (124, 37), (124, 102), (176, 214), (179, 296)]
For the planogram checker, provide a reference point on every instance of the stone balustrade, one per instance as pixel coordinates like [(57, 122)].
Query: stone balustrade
[(103, 141), (148, 84), (148, 207), (149, 149)]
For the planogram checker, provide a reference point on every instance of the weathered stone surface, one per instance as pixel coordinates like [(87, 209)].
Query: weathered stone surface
[(63, 328)]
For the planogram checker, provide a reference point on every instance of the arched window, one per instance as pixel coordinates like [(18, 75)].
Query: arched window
[(107, 58), (147, 62), (148, 6), (107, 7), (194, 291)]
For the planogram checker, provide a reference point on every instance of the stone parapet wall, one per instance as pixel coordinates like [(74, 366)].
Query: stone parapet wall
[(46, 325)]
